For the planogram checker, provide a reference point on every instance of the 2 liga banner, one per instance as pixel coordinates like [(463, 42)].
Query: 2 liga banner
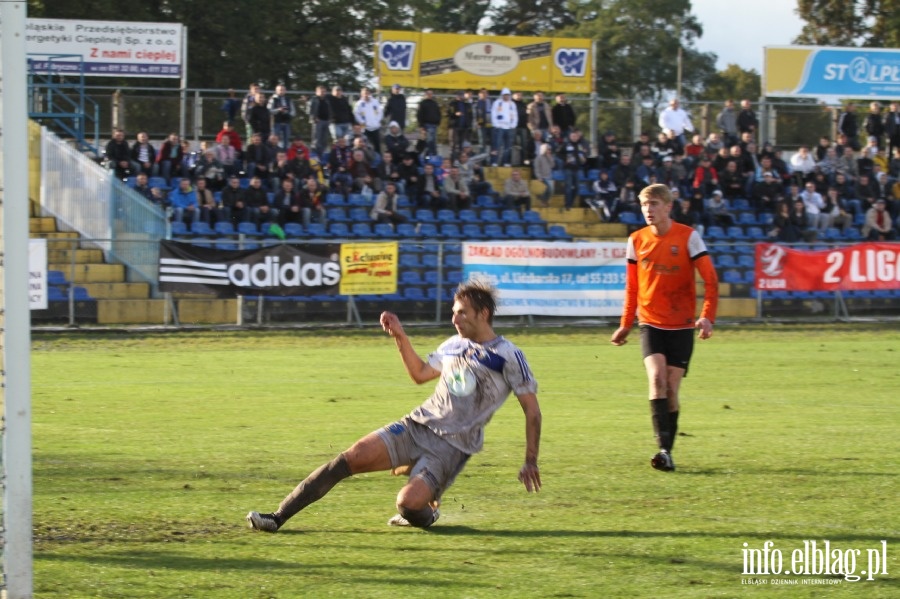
[(865, 266)]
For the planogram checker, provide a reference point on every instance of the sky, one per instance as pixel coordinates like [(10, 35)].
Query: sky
[(737, 31)]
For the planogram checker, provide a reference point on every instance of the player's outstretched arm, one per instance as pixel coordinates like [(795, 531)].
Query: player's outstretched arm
[(530, 475), (419, 370)]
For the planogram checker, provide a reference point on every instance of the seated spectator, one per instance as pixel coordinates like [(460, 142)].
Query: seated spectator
[(289, 204), (822, 148), (830, 164), (627, 200), (662, 147), (209, 168), (683, 213), (118, 154), (516, 193), (783, 227), (143, 155), (233, 206), (813, 202), (142, 186), (706, 179), (313, 198), (184, 203), (409, 176), (281, 169), (297, 148), (388, 170), (646, 170), (767, 193), (256, 200), (800, 220), (717, 211), (803, 165), (732, 181), (339, 163), (866, 192), (386, 208), (623, 171), (395, 142), (188, 158), (257, 158), (428, 189), (362, 174), (228, 157), (472, 173), (605, 196), (878, 225), (835, 212), (714, 143), (169, 157), (851, 166), (210, 210), (228, 135), (456, 191)]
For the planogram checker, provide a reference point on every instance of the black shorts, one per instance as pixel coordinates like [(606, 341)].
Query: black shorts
[(677, 346)]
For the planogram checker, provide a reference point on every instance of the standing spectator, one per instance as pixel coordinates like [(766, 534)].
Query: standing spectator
[(386, 209), (460, 121), (169, 158), (747, 121), (521, 135), (727, 122), (516, 194), (231, 107), (875, 123), (660, 290), (395, 107), (675, 119), (260, 118), (257, 158), (246, 105), (283, 112), (185, 208), (341, 114), (119, 154), (563, 115), (543, 171), (608, 150), (368, 115), (540, 115), (319, 117), (504, 120), (143, 155), (429, 118), (892, 127), (573, 156), (848, 126), (482, 114)]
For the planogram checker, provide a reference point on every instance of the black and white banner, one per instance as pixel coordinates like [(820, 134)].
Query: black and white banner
[(282, 269)]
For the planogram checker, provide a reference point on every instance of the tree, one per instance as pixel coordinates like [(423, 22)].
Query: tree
[(531, 17), (637, 47), (867, 23), (448, 16), (734, 82)]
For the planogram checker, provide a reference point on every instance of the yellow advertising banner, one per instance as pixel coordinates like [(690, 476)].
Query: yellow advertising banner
[(457, 61), (369, 268)]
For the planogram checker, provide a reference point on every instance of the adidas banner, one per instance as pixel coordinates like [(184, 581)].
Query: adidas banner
[(283, 269)]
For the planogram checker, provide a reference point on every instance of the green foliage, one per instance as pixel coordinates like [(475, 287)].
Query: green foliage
[(149, 449), (735, 83), (531, 17), (868, 23), (460, 16)]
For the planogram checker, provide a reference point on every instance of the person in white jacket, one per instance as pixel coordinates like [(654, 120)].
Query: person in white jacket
[(676, 120), (369, 113), (504, 120)]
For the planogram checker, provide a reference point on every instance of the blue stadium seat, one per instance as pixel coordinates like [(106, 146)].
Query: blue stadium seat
[(414, 293), (755, 233), (732, 275), (750, 276), (384, 231), (294, 230), (746, 218), (494, 231), (716, 233), (224, 228), (468, 216), (430, 260), (408, 260), (535, 231), (158, 182), (410, 277), (472, 231), (340, 230), (766, 219), (337, 215), (446, 216), (558, 233), (249, 229), (335, 199), (432, 277), (510, 216), (515, 231), (361, 230), (453, 260), (428, 231), (450, 231), (746, 261), (489, 216), (202, 228), (179, 229), (629, 218), (317, 230), (424, 215), (406, 230), (358, 199), (486, 201), (740, 204), (726, 261), (736, 233), (852, 234), (533, 216), (453, 277), (359, 215)]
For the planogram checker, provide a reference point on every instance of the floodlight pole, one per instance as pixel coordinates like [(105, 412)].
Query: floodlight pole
[(16, 315)]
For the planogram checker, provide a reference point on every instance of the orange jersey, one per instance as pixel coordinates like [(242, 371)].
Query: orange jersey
[(661, 285)]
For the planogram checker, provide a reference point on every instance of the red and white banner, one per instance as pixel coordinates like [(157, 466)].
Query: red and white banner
[(861, 266)]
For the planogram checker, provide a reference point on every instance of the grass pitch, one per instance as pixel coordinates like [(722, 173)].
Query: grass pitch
[(149, 450)]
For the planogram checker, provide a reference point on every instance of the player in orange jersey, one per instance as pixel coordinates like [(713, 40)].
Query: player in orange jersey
[(660, 291)]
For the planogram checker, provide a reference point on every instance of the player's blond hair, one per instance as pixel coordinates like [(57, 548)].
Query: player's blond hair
[(657, 191)]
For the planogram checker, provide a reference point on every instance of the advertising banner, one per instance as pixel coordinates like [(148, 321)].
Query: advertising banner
[(283, 269), (814, 72), (104, 48), (456, 61), (862, 266), (551, 279), (369, 268)]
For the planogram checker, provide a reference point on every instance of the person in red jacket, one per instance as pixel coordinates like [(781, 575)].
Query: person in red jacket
[(706, 179), (660, 292)]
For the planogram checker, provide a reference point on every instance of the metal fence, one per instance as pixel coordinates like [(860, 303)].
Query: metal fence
[(197, 115)]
